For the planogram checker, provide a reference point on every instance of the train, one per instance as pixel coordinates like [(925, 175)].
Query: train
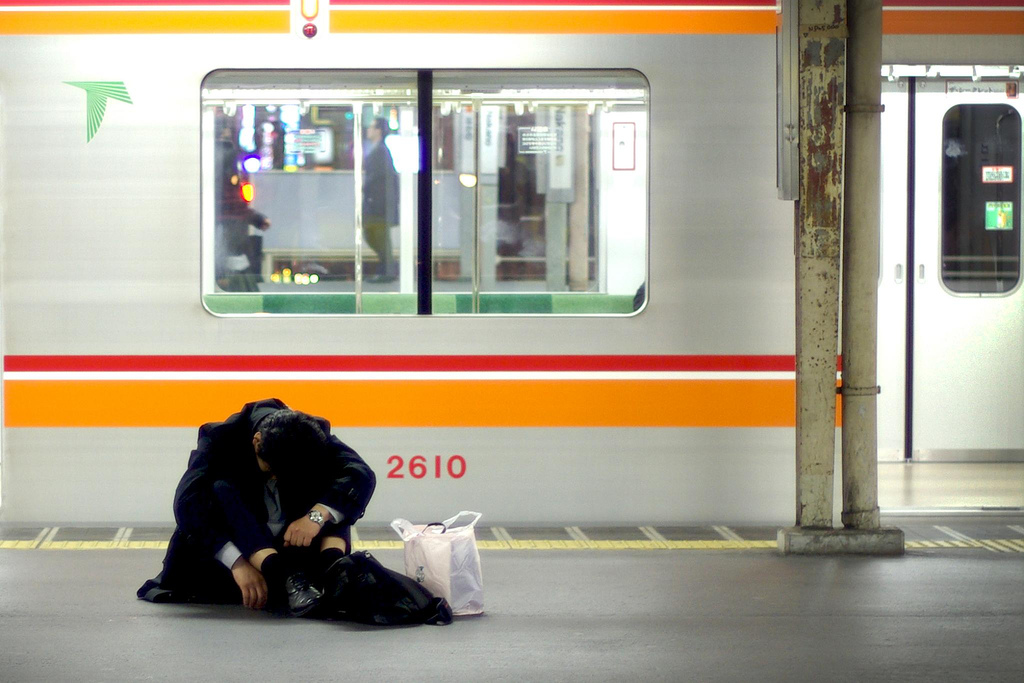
[(577, 304)]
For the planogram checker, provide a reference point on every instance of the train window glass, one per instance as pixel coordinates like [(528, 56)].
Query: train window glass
[(309, 192), (540, 192), (981, 198)]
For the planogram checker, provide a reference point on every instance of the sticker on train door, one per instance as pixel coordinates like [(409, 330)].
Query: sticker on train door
[(998, 215), (997, 174), (624, 146)]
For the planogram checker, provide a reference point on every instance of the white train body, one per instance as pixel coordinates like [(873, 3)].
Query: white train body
[(674, 413)]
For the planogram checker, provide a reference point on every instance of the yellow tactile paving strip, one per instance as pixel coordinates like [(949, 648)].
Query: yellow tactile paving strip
[(998, 545)]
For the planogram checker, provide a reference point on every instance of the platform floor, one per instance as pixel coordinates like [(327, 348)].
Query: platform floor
[(949, 611), (950, 485)]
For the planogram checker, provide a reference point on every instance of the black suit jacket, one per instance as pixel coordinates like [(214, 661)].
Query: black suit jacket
[(336, 477), (380, 186)]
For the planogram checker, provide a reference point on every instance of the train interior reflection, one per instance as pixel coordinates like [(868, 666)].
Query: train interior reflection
[(539, 187)]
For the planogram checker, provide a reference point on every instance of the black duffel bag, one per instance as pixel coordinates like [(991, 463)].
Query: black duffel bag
[(359, 588)]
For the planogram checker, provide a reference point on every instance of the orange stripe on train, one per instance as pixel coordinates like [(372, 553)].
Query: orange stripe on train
[(554, 21), (396, 403), (995, 22), (724, 20), (184, 21)]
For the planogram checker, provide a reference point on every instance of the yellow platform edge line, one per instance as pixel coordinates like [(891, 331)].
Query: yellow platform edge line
[(1002, 545)]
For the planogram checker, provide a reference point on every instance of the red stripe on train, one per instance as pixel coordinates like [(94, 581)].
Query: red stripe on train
[(951, 4), (492, 363)]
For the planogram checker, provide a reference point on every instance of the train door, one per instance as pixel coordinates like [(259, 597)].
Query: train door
[(968, 352), (955, 271)]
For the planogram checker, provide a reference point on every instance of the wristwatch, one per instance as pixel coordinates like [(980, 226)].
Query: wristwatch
[(317, 517)]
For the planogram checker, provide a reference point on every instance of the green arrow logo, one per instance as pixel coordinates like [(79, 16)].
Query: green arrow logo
[(96, 94)]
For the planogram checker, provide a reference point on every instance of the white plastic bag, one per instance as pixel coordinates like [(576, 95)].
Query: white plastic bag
[(443, 557)]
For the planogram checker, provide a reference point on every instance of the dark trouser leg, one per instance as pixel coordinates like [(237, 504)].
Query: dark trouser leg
[(378, 236), (247, 532), (192, 576), (338, 531), (312, 560)]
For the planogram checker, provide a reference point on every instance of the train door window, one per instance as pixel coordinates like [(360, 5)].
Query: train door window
[(540, 192), (981, 198), (308, 203)]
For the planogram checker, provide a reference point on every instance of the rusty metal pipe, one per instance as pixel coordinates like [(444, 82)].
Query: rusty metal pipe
[(860, 266)]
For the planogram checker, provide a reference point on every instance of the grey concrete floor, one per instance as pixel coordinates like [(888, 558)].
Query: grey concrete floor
[(665, 615)]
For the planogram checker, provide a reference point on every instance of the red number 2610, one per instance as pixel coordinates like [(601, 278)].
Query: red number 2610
[(417, 467)]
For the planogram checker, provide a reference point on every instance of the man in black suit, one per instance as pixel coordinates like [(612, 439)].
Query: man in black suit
[(266, 503), (380, 198)]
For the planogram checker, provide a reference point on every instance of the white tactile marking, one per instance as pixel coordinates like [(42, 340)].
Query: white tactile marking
[(39, 538), (653, 534), (727, 533), (49, 536), (501, 534)]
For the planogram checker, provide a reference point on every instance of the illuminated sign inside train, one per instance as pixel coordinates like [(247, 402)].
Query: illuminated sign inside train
[(537, 139), (997, 174), (305, 141)]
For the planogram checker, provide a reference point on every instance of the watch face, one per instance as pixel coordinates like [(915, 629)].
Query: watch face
[(316, 516)]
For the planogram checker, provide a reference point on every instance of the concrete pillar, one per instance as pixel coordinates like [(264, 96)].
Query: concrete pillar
[(822, 64), (821, 164), (860, 265)]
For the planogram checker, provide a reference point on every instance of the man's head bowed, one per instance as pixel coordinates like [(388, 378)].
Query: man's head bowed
[(287, 438)]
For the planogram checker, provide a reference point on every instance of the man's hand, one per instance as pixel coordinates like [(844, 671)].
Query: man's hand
[(301, 532), (251, 583)]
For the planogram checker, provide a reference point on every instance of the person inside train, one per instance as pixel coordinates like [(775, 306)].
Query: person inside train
[(239, 239), (263, 513), (380, 199)]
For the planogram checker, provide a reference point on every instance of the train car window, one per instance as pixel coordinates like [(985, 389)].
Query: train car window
[(542, 204), (309, 192), (981, 198)]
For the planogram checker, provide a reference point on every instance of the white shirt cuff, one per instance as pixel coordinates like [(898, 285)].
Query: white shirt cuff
[(228, 554), (334, 513)]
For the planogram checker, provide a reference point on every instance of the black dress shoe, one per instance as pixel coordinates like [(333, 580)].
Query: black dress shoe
[(302, 596)]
